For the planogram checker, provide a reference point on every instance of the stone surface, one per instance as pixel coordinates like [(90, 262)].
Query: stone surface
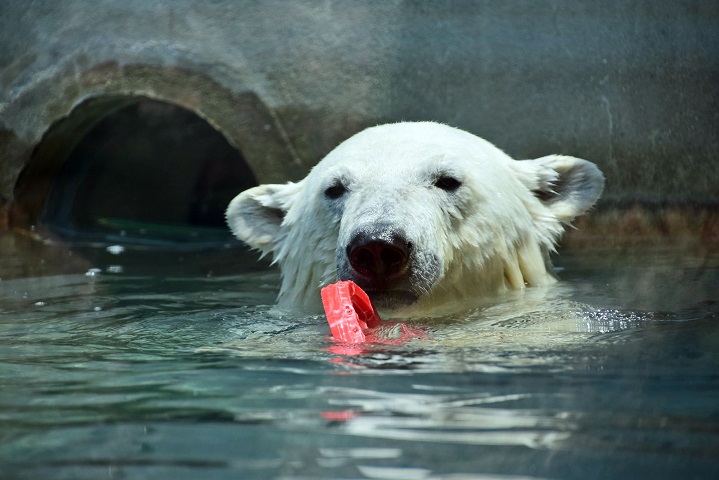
[(629, 85)]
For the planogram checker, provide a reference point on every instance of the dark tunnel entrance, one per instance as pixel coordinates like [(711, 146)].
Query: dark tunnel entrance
[(146, 172)]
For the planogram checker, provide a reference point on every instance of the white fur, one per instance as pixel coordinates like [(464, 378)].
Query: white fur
[(493, 233)]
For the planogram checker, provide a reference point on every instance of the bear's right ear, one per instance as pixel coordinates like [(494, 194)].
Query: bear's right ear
[(255, 215)]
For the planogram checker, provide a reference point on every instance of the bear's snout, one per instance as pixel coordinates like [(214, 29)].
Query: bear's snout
[(385, 263), (380, 256)]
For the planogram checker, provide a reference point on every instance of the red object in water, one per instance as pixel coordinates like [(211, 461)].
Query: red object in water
[(349, 311)]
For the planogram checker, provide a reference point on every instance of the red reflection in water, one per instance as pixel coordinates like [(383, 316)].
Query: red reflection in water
[(391, 333), (341, 416)]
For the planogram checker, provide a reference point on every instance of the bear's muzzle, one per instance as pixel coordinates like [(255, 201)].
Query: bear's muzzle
[(383, 262), (380, 258)]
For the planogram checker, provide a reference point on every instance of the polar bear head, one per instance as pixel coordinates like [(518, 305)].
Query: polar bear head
[(422, 216)]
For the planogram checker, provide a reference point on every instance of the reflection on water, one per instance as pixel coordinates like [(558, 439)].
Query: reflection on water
[(177, 365)]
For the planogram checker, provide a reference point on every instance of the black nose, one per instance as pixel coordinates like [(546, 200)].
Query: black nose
[(379, 255)]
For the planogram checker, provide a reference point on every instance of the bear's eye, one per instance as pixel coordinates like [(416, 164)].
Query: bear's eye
[(447, 183), (335, 191)]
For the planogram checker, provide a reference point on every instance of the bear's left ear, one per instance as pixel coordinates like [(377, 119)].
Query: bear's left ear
[(567, 186), (255, 215)]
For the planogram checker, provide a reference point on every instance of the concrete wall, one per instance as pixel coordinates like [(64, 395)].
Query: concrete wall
[(630, 85)]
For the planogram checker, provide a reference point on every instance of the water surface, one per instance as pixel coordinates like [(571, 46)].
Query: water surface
[(161, 364)]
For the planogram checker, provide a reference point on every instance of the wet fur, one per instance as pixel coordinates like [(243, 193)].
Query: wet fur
[(492, 234)]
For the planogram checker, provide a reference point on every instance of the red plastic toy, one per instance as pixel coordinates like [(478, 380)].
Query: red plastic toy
[(349, 311)]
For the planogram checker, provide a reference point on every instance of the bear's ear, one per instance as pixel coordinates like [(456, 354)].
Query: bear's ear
[(567, 186), (255, 215)]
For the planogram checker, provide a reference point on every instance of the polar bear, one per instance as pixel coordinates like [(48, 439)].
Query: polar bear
[(423, 216)]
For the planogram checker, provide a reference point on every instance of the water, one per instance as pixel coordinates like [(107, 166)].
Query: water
[(127, 364)]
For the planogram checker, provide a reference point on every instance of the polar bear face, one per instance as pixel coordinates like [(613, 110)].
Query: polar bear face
[(422, 216)]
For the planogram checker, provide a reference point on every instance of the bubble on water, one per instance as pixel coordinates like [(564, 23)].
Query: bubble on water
[(114, 269), (92, 272), (115, 249), (97, 309), (39, 304)]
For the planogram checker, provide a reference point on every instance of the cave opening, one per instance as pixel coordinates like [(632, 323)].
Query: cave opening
[(137, 170)]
